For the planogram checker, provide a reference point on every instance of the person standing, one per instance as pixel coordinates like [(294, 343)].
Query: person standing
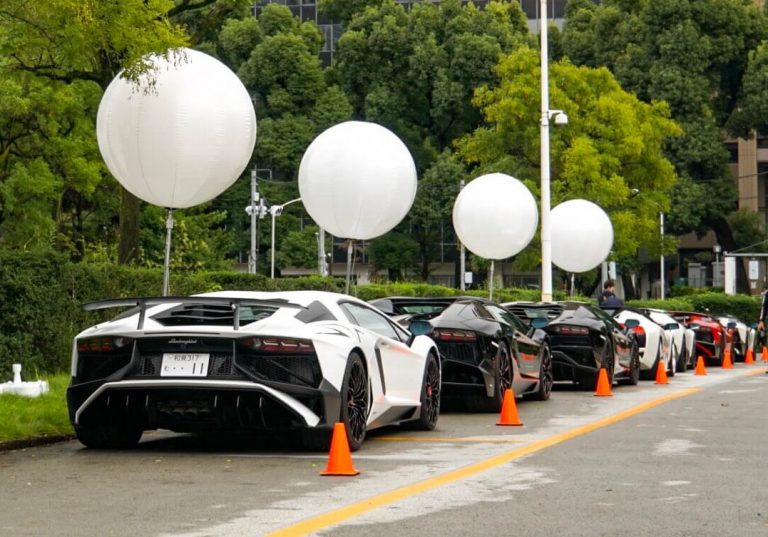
[(761, 336), (608, 298)]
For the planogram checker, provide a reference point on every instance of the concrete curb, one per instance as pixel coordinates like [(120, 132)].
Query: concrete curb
[(23, 443)]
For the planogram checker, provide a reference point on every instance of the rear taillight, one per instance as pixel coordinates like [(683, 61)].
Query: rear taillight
[(571, 330), (103, 344), (639, 331), (445, 334), (278, 345)]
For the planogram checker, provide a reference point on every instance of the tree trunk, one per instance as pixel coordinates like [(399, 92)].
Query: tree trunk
[(130, 208)]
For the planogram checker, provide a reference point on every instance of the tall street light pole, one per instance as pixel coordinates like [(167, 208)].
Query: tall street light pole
[(546, 238), (276, 210), (661, 258)]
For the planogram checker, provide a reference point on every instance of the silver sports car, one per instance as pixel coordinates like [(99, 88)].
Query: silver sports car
[(238, 361)]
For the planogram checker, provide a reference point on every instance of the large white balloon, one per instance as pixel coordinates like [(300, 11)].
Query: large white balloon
[(182, 141), (357, 180), (582, 235), (495, 216)]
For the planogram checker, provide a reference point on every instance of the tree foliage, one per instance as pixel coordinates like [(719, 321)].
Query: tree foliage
[(612, 144), (692, 54)]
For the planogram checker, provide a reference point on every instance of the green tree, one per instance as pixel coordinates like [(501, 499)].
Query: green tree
[(396, 253), (692, 54), (277, 58), (612, 144), (414, 71), (298, 249), (67, 44), (429, 220)]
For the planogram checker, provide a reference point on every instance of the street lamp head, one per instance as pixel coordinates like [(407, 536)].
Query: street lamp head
[(561, 119)]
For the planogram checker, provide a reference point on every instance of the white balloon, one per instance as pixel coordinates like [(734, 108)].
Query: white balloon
[(495, 216), (183, 141), (357, 180), (582, 235)]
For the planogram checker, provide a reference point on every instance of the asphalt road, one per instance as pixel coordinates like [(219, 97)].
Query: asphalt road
[(682, 459)]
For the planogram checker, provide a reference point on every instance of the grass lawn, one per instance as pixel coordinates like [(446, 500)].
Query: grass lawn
[(31, 417)]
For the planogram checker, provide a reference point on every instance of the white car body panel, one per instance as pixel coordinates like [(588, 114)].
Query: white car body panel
[(391, 364), (657, 340)]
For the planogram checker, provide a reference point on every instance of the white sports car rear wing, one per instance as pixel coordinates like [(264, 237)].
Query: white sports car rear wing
[(142, 303)]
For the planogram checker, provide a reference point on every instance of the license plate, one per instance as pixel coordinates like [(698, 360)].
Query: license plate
[(184, 364)]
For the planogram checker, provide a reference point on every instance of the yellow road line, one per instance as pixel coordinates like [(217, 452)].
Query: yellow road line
[(340, 515), (444, 440)]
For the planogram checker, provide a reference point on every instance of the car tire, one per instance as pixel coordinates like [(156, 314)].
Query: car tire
[(430, 397), (546, 375), (588, 380), (682, 360), (355, 401), (673, 359), (650, 374), (634, 368), (112, 436), (503, 375), (353, 412)]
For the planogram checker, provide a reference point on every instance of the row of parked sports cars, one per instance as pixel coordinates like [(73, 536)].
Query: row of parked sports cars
[(295, 363)]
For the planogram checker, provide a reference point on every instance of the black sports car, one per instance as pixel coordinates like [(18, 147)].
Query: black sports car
[(484, 349), (583, 338)]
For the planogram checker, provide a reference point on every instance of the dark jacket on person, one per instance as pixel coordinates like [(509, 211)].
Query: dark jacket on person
[(609, 300)]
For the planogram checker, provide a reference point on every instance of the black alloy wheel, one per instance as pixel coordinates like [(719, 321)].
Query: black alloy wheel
[(609, 360), (504, 379), (650, 374), (355, 401), (546, 375), (634, 368), (673, 359), (503, 374), (682, 359), (430, 397)]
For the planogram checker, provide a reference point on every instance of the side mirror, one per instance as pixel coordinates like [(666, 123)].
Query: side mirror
[(731, 325), (420, 328), (671, 326), (631, 323), (693, 326), (539, 322)]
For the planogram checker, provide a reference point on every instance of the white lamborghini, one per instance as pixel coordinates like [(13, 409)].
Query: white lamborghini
[(656, 344), (239, 361)]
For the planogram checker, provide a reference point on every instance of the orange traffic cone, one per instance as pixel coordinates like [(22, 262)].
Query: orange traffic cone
[(727, 363), (749, 359), (661, 373), (701, 369), (603, 386), (765, 354), (509, 414), (339, 459)]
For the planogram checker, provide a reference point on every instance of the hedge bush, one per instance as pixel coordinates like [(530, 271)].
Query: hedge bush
[(42, 295)]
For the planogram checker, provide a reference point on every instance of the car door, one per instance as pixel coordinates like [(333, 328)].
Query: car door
[(401, 369), (526, 350), (622, 348)]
